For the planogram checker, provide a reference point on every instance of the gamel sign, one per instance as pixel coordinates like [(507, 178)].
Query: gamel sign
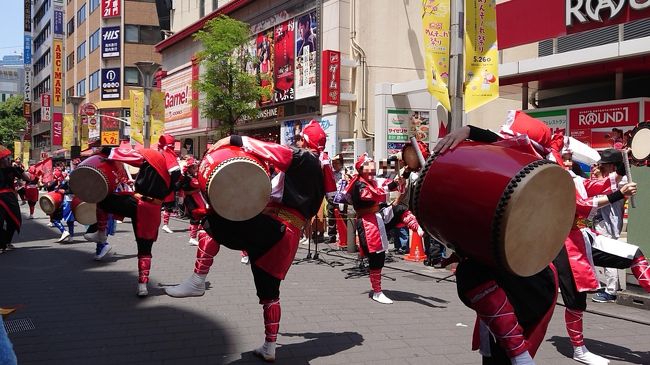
[(57, 93), (177, 90)]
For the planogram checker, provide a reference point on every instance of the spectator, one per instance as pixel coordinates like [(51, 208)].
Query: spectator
[(332, 208)]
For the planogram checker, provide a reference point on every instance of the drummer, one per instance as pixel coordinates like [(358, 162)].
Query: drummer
[(270, 238), (513, 311), (157, 177), (10, 217), (31, 190)]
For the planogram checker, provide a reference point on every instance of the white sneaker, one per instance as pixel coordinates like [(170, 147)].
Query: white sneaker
[(522, 359), (244, 260), (50, 224), (104, 251), (194, 286), (118, 222), (64, 236), (304, 241), (266, 351), (193, 242), (166, 229), (583, 355), (99, 237), (31, 216), (142, 290), (381, 298), (10, 246)]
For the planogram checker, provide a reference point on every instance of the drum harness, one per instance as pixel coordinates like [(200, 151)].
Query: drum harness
[(148, 199)]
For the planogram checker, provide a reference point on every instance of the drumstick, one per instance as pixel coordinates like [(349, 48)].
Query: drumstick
[(414, 143), (628, 174)]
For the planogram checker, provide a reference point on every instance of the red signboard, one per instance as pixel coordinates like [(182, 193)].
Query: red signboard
[(46, 111), (57, 129), (88, 109), (110, 8), (331, 78), (603, 126)]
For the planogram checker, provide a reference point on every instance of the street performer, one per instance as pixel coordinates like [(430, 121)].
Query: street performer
[(271, 238), (194, 202), (31, 190), (10, 218), (158, 174), (166, 145), (513, 312)]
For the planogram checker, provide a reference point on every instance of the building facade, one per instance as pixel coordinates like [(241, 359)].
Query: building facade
[(12, 76)]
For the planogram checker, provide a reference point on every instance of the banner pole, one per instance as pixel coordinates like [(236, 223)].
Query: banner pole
[(456, 74)]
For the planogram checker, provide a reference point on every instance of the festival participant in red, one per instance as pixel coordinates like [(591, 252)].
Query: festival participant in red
[(10, 218), (166, 144), (513, 312), (194, 202), (270, 238), (158, 174), (31, 190)]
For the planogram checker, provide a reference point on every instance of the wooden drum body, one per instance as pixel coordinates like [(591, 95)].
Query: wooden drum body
[(496, 204), (95, 178), (640, 142), (84, 213), (50, 202), (236, 183)]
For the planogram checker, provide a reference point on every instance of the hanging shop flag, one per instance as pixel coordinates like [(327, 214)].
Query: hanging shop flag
[(481, 54), (157, 116), (331, 81), (436, 29), (57, 129), (68, 131), (137, 110)]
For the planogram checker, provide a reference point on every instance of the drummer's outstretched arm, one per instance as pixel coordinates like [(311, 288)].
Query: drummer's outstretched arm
[(278, 155), (128, 156), (453, 139)]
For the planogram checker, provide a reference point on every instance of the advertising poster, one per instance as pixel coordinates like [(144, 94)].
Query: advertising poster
[(603, 126), (57, 129), (481, 54), (328, 123), (110, 42), (57, 73), (265, 58), (555, 119), (436, 34), (110, 128), (283, 60), (177, 89), (306, 55), (290, 129), (111, 84), (94, 127), (68, 131), (137, 109), (402, 124)]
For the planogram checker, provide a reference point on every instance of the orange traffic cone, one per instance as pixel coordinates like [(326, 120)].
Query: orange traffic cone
[(341, 230), (416, 251)]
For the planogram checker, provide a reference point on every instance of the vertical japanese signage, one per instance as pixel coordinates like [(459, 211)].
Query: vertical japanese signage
[(265, 57), (111, 84), (68, 131), (28, 16), (306, 55), (284, 62), (46, 110), (27, 58), (435, 26), (157, 116), (110, 8), (331, 79), (27, 97), (27, 48), (57, 129), (110, 128), (58, 23), (137, 110), (110, 42), (57, 93), (481, 54)]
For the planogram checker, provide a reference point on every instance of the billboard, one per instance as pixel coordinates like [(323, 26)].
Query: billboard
[(306, 55), (265, 50), (57, 73), (57, 129), (177, 90), (283, 60), (603, 126), (58, 24), (110, 8), (111, 84), (110, 42)]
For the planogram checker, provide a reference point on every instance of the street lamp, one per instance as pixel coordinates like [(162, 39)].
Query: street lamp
[(147, 70), (21, 132), (75, 101)]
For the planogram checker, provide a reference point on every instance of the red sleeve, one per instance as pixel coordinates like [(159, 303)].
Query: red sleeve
[(194, 183), (585, 208), (278, 155), (601, 186), (128, 156), (328, 176)]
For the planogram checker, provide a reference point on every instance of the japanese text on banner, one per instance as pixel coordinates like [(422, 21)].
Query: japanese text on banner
[(157, 116), (68, 131), (481, 54), (435, 25), (137, 110)]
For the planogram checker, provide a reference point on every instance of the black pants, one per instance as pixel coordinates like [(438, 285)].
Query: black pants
[(331, 221), (376, 260), (127, 206), (7, 230)]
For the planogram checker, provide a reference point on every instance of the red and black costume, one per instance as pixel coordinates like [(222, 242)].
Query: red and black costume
[(155, 180), (10, 218), (166, 145), (31, 190), (271, 238), (196, 206)]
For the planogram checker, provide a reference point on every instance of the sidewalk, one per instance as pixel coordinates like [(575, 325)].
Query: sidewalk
[(86, 312)]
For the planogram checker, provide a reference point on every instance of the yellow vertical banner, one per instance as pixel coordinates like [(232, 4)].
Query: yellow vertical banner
[(18, 150), (137, 110), (84, 136), (481, 53), (436, 28), (26, 147), (157, 116), (68, 131)]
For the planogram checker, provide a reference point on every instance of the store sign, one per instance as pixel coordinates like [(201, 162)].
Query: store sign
[(28, 15), (609, 116), (555, 119), (110, 8), (27, 110), (57, 129), (110, 42), (402, 124), (111, 84), (57, 94), (46, 110), (331, 78), (110, 127), (598, 10), (177, 89), (27, 95), (27, 50), (58, 23)]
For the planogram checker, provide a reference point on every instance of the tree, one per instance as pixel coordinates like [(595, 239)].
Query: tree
[(11, 120), (229, 92)]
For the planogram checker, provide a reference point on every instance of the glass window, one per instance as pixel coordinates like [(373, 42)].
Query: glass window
[(70, 27), (81, 88), (94, 41), (131, 76), (131, 34), (150, 34), (94, 4), (93, 81), (69, 61), (81, 52), (81, 15)]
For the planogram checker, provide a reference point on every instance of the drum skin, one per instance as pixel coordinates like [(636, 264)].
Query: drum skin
[(640, 142), (236, 183), (84, 213), (95, 178), (503, 207), (50, 202)]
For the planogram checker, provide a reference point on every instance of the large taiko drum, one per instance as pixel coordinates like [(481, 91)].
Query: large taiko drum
[(502, 207), (50, 202), (84, 213), (236, 183), (95, 178), (640, 142)]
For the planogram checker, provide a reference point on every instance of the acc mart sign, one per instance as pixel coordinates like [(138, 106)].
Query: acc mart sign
[(594, 10)]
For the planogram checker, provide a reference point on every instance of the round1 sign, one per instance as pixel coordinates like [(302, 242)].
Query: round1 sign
[(88, 109)]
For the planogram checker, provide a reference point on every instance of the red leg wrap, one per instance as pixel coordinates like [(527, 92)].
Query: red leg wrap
[(272, 313), (493, 308), (31, 209), (144, 265), (102, 220), (194, 230), (641, 271), (573, 319), (165, 217), (205, 253), (375, 280)]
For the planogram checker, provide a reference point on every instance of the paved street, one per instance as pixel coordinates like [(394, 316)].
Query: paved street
[(85, 312)]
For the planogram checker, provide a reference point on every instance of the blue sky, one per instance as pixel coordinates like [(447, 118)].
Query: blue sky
[(11, 29)]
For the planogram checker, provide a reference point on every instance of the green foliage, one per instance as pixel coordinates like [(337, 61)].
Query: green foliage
[(11, 120), (229, 92)]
